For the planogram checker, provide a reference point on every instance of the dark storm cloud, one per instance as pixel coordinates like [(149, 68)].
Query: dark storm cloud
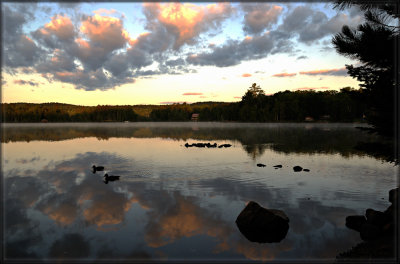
[(259, 16)]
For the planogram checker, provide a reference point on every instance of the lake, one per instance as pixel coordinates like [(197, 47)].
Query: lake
[(180, 203)]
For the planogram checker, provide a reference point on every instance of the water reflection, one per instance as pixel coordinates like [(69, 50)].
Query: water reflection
[(177, 203), (255, 138)]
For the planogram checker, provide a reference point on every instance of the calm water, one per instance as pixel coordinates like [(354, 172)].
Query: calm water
[(173, 202)]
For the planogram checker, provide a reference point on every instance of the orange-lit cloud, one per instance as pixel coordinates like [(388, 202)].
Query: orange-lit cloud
[(185, 219), (108, 211), (106, 31), (259, 252), (246, 75), (336, 72), (284, 74), (237, 97), (64, 214), (186, 21), (61, 26), (192, 94)]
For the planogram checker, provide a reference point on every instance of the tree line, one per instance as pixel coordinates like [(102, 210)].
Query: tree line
[(348, 105), (56, 112)]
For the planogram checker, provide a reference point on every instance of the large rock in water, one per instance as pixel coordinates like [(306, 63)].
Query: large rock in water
[(355, 222), (262, 225), (394, 195)]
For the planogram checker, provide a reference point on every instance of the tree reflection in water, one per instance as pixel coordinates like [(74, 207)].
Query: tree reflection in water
[(175, 202)]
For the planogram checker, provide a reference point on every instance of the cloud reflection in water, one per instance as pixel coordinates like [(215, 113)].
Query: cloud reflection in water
[(162, 206)]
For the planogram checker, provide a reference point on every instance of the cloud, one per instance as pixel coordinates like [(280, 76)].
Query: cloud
[(89, 59), (301, 57), (23, 82), (284, 74), (182, 218), (71, 245), (246, 75), (333, 72), (311, 88), (61, 26), (233, 52), (310, 25), (185, 22), (19, 50), (192, 94), (237, 97), (259, 16)]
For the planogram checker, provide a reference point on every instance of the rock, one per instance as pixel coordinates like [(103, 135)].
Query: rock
[(355, 222), (389, 211), (261, 165), (262, 225), (376, 218), (370, 232), (394, 195), (278, 166), (307, 170), (297, 168)]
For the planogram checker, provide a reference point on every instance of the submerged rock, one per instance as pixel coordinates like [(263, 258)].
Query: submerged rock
[(307, 170), (297, 168), (262, 225), (261, 165), (277, 166)]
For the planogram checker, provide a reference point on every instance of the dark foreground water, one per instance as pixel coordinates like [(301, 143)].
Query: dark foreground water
[(178, 203)]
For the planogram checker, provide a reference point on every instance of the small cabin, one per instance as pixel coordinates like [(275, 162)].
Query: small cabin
[(195, 117), (309, 119), (44, 120)]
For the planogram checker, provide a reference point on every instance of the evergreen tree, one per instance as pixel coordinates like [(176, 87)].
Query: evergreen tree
[(373, 44)]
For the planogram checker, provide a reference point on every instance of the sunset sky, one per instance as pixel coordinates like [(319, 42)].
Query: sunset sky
[(159, 53)]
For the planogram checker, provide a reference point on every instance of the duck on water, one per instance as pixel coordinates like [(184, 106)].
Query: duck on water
[(97, 168), (108, 178)]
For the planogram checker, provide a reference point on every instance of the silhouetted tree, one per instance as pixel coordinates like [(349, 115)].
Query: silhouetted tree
[(373, 44)]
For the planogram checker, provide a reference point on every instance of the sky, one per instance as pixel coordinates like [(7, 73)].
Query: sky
[(124, 53)]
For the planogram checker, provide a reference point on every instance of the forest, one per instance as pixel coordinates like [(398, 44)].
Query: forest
[(346, 105)]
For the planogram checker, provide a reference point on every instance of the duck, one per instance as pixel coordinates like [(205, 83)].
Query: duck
[(110, 178), (98, 168)]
